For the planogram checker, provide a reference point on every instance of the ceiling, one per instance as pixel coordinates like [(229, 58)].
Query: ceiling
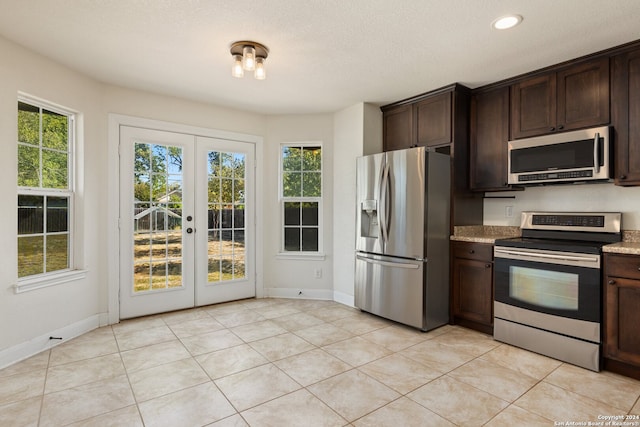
[(325, 55)]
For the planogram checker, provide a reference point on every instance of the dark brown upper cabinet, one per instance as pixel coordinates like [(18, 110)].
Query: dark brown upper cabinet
[(573, 97), (398, 128), (439, 120), (625, 112), (433, 120), (428, 120), (489, 139)]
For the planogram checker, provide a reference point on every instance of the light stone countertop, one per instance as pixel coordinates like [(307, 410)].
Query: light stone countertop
[(490, 233), (630, 244), (483, 233)]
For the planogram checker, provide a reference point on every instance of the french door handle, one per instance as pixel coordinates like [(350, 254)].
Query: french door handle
[(190, 230)]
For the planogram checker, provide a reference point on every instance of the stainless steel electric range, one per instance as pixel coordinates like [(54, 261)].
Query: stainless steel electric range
[(548, 289)]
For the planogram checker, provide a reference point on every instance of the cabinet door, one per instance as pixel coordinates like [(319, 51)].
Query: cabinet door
[(583, 95), (398, 128), (622, 341), (489, 138), (533, 106), (626, 117), (472, 290), (433, 118)]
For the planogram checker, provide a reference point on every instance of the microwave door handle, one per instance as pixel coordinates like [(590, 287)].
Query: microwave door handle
[(596, 152)]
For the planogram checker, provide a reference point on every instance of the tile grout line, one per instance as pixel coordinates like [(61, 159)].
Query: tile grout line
[(543, 379)]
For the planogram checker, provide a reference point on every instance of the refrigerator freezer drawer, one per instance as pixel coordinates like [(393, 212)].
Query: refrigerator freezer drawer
[(391, 288)]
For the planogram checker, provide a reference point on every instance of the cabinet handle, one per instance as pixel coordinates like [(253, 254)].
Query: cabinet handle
[(487, 265), (551, 129), (612, 282), (471, 251), (560, 127), (623, 176)]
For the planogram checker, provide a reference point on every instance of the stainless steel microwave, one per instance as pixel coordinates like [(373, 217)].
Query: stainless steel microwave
[(581, 155)]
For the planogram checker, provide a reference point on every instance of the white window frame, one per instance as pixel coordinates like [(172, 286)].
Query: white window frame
[(306, 255), (38, 281)]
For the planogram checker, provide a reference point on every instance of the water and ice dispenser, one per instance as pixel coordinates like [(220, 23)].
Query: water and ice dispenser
[(369, 219)]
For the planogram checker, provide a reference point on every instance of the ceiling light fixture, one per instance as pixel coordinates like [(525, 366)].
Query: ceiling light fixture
[(249, 56), (506, 22)]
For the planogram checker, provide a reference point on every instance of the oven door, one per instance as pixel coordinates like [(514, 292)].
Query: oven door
[(556, 283)]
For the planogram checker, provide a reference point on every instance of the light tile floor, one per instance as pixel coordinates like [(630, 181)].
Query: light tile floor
[(277, 362)]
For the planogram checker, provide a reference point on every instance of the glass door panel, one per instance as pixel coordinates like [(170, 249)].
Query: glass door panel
[(225, 207), (157, 217), (226, 210), (156, 252)]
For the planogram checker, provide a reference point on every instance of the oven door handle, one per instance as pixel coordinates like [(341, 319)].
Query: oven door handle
[(564, 257)]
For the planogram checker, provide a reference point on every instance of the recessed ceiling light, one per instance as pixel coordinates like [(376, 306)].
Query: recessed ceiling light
[(506, 22)]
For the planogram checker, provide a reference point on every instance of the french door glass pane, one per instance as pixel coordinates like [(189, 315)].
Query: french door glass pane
[(157, 217), (226, 216)]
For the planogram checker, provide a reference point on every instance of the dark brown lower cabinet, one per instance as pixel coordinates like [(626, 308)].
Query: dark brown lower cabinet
[(622, 314), (472, 285)]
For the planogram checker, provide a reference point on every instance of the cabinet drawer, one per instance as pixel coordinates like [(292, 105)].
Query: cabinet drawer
[(622, 266), (479, 251)]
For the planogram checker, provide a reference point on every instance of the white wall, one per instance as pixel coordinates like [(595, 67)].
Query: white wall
[(148, 105), (357, 131), (583, 197), (29, 315), (286, 277), (27, 319)]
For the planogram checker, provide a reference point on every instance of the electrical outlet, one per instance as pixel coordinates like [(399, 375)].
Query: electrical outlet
[(508, 211), (318, 273)]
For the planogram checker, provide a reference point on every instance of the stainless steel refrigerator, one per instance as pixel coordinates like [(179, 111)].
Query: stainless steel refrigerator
[(402, 244)]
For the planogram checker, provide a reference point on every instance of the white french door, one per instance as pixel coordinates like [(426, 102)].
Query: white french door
[(226, 226), (186, 221)]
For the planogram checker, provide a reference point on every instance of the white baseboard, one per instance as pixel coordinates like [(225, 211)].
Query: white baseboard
[(19, 352), (343, 298), (322, 294), (103, 319)]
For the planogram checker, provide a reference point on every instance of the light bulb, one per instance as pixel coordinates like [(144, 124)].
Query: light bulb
[(236, 70), (507, 22), (260, 73), (249, 58)]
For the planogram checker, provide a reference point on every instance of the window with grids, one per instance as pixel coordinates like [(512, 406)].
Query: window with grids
[(301, 197), (45, 190)]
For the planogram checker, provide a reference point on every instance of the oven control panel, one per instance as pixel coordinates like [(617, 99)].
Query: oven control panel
[(599, 222), (569, 220)]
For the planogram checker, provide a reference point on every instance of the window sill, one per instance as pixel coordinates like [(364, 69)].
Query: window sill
[(48, 280), (312, 256)]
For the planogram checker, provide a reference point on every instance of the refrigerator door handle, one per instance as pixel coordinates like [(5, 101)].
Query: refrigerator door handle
[(379, 197), (384, 201), (388, 263)]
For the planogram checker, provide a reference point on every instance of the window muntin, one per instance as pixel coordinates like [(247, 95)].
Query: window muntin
[(301, 197), (45, 196)]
